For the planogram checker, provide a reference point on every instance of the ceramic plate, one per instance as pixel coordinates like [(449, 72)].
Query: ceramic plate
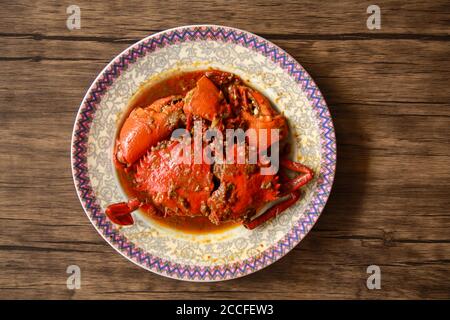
[(215, 256)]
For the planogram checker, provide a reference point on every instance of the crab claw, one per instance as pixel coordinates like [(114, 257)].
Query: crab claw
[(274, 211), (259, 115), (120, 213), (291, 185), (145, 127), (289, 188), (205, 100)]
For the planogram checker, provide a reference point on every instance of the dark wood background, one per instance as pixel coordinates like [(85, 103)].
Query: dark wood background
[(388, 92)]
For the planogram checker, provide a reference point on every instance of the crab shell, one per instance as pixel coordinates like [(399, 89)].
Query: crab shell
[(174, 187)]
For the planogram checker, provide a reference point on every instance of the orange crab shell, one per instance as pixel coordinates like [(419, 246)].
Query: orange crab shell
[(176, 188)]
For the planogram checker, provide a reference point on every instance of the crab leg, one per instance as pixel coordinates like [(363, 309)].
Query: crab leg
[(289, 188), (120, 213), (306, 175), (273, 211)]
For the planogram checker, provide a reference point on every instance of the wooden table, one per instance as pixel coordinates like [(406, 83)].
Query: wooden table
[(388, 92)]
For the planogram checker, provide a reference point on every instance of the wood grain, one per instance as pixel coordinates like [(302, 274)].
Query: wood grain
[(388, 92)]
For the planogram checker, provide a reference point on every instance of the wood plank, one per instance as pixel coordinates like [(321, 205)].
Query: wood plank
[(338, 269), (124, 20)]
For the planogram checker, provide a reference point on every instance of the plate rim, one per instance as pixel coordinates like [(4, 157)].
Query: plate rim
[(331, 145)]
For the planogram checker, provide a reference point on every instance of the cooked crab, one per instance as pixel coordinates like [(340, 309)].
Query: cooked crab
[(225, 191)]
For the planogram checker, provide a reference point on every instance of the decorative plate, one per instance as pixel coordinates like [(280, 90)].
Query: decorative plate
[(213, 256)]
